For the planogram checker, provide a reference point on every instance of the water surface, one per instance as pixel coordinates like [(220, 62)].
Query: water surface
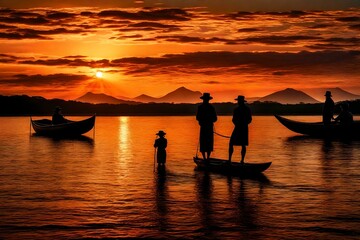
[(104, 185)]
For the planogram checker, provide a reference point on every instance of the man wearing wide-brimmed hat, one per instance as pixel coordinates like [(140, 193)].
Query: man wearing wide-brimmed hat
[(328, 109), (206, 116), (240, 135)]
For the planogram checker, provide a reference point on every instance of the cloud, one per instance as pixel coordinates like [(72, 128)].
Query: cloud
[(52, 80), (151, 15), (269, 40), (306, 63), (23, 35), (25, 20), (193, 26), (151, 26), (355, 27), (71, 61), (3, 26), (60, 15), (27, 33), (244, 15), (321, 25), (5, 58), (191, 39), (279, 40), (348, 19), (249, 30), (218, 62)]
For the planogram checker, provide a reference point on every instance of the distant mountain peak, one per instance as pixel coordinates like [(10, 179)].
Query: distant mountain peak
[(288, 96), (290, 90)]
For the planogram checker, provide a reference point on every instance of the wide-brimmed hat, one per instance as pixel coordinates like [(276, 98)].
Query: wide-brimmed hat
[(161, 133), (328, 93), (240, 98), (206, 96)]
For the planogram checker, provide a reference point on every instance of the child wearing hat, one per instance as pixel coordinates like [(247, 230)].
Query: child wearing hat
[(161, 144)]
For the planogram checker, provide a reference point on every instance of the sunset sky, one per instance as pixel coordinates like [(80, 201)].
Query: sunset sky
[(63, 49)]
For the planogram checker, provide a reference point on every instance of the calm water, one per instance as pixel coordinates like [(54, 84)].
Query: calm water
[(106, 187)]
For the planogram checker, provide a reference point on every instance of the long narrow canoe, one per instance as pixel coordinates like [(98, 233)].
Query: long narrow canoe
[(71, 128), (318, 129), (233, 168)]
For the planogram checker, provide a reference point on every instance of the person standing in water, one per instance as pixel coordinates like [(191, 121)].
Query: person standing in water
[(161, 144), (328, 109), (240, 135), (206, 116)]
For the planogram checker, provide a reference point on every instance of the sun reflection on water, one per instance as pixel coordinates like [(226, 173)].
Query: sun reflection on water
[(124, 145)]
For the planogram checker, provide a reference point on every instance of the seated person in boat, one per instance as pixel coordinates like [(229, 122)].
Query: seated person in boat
[(57, 117), (328, 109), (240, 135), (345, 117), (161, 144)]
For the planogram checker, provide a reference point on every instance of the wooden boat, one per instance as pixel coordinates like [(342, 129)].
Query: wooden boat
[(233, 168), (70, 128), (318, 129)]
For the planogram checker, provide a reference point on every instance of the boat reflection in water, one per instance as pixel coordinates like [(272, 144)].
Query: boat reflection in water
[(238, 212)]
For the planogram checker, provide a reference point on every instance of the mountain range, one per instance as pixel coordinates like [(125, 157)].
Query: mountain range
[(96, 98), (180, 95), (184, 95)]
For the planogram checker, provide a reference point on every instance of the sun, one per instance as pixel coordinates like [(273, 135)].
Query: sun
[(99, 74)]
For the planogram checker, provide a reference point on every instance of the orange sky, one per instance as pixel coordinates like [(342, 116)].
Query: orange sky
[(56, 52)]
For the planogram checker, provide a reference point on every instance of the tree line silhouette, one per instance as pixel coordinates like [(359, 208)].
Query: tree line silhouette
[(23, 105)]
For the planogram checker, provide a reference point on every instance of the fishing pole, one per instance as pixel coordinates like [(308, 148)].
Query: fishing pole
[(154, 154), (30, 125)]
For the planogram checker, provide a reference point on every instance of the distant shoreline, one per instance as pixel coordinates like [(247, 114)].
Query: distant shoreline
[(35, 106)]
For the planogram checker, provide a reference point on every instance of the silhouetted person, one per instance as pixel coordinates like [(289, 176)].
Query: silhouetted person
[(57, 117), (328, 110), (161, 144), (345, 117), (206, 116), (240, 135)]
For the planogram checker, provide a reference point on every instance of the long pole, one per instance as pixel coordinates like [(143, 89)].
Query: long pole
[(94, 131), (30, 125), (94, 127), (154, 158), (155, 153)]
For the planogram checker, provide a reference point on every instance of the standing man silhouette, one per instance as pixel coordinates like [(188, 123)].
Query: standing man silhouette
[(206, 116), (328, 109), (240, 135)]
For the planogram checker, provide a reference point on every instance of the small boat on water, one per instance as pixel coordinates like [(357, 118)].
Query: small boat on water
[(234, 168), (70, 128), (318, 129)]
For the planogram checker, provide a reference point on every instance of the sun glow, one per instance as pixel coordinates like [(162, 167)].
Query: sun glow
[(99, 74)]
